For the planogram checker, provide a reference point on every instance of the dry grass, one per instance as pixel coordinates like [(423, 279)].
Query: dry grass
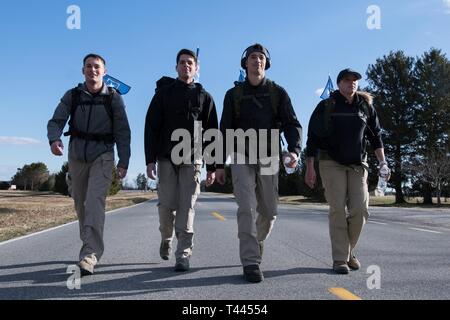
[(23, 212), (386, 201)]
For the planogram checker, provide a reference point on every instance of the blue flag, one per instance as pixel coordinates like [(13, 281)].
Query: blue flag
[(241, 76), (121, 87), (328, 89)]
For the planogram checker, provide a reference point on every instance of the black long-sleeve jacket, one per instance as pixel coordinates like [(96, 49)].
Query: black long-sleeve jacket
[(252, 116), (349, 129), (177, 106)]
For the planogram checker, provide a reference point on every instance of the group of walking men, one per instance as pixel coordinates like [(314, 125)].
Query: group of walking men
[(337, 133)]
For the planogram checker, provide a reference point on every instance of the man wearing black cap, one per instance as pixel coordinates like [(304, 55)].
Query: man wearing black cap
[(261, 105), (337, 133)]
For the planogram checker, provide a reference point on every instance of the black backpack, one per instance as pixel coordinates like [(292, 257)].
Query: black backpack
[(322, 127), (76, 101), (168, 82), (272, 92)]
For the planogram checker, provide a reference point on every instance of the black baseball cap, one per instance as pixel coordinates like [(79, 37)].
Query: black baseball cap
[(347, 71)]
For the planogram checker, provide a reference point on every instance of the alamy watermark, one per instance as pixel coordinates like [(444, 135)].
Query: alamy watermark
[(74, 280), (73, 22), (374, 280), (243, 147), (374, 20)]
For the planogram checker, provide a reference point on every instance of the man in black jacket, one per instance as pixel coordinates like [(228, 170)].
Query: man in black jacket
[(337, 133), (257, 105), (182, 104)]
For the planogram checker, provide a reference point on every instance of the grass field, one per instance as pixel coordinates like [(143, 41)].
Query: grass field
[(24, 212), (387, 201)]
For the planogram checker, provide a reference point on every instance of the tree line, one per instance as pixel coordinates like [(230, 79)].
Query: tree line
[(412, 99), (36, 177)]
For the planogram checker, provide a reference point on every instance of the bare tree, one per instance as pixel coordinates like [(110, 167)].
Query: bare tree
[(434, 169)]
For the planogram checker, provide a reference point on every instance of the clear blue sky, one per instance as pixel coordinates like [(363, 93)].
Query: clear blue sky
[(41, 58)]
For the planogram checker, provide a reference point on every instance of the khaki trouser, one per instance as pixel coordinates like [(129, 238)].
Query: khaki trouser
[(90, 183), (345, 186), (257, 199), (178, 189)]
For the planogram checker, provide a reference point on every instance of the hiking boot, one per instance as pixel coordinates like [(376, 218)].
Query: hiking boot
[(340, 267), (354, 263), (253, 274), (165, 249), (182, 265), (261, 247), (87, 265)]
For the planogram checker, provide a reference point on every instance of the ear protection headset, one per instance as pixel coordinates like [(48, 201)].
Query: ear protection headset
[(249, 51)]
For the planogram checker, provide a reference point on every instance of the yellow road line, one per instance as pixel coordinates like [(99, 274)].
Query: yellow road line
[(218, 216), (344, 294)]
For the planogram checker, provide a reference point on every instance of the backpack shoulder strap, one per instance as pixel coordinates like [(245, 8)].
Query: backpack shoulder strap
[(75, 102), (365, 108), (366, 103), (107, 102), (274, 96), (76, 99), (330, 104), (201, 95), (238, 93)]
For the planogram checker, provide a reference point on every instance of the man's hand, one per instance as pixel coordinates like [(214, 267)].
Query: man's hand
[(210, 177), (220, 176), (151, 170), (310, 177), (121, 172), (57, 148)]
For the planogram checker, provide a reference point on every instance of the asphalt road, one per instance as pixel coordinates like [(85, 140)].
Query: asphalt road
[(405, 255)]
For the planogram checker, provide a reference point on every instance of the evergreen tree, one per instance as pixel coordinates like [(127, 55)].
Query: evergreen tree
[(116, 184), (31, 176), (432, 75), (60, 180), (142, 182), (392, 82)]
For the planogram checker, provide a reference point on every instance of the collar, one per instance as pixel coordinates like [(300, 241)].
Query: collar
[(180, 83), (104, 91), (263, 83), (339, 97)]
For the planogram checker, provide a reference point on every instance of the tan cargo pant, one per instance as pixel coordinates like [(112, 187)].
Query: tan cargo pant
[(90, 183), (178, 189), (257, 199), (345, 187)]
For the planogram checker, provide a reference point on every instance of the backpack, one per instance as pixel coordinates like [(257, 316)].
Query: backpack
[(168, 82), (76, 101), (330, 104), (322, 127), (238, 97)]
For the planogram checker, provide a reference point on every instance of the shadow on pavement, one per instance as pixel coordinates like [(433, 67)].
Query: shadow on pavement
[(132, 279)]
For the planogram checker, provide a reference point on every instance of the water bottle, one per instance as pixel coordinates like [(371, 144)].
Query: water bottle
[(381, 186), (383, 174), (287, 159)]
